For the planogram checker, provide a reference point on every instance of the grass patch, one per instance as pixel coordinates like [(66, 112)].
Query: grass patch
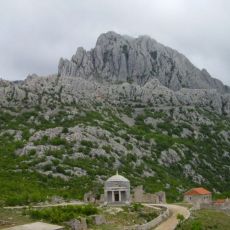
[(206, 219), (13, 217), (58, 215)]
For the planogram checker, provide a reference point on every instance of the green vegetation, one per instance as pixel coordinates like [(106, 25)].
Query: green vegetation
[(9, 217), (58, 215), (21, 183), (206, 219), (126, 216), (107, 148), (53, 141), (116, 218), (26, 188), (180, 218)]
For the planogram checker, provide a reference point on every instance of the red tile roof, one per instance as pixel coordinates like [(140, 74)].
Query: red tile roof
[(197, 191), (219, 201)]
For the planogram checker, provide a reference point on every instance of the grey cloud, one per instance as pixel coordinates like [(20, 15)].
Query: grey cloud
[(35, 34)]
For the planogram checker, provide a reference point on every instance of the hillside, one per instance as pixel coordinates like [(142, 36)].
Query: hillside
[(66, 133)]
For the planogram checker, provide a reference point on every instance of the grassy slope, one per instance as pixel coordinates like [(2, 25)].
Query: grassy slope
[(207, 219)]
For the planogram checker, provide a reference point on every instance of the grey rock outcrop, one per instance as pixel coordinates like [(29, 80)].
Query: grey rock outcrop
[(118, 58), (53, 90), (190, 172), (169, 157), (99, 219), (78, 224), (120, 70)]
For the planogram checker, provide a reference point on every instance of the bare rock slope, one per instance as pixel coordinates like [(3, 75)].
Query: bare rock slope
[(119, 58), (118, 70)]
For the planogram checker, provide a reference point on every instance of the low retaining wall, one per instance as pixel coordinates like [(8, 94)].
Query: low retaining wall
[(224, 207), (153, 223)]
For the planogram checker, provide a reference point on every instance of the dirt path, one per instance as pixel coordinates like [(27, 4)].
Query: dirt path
[(171, 222)]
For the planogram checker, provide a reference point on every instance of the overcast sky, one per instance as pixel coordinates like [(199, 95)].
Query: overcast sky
[(34, 34)]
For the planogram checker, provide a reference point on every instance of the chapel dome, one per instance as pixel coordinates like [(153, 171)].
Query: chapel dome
[(117, 178)]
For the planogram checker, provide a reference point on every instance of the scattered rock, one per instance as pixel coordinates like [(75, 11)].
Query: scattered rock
[(78, 224), (169, 157), (99, 219)]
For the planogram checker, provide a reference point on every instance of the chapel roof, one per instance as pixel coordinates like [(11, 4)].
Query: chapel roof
[(117, 178)]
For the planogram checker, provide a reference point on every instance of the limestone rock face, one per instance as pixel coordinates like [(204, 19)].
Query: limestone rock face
[(119, 70), (53, 90), (169, 157), (117, 58)]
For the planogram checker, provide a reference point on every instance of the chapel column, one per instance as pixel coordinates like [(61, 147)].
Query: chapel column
[(113, 196), (119, 196)]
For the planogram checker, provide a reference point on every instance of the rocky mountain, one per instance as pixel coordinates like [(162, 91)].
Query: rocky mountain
[(117, 58), (71, 90), (125, 70), (129, 103)]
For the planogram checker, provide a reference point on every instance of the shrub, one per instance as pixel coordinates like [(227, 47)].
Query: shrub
[(65, 130), (85, 150), (42, 141), (129, 146), (60, 169), (126, 137), (62, 214), (180, 218), (148, 216), (32, 152), (107, 148), (58, 141), (47, 167), (87, 143), (137, 207), (55, 162)]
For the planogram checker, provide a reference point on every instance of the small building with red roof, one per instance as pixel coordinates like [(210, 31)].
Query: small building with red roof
[(198, 196), (219, 202), (222, 204)]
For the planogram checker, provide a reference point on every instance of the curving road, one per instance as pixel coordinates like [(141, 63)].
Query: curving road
[(171, 222)]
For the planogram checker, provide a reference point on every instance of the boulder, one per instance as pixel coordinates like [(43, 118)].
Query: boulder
[(99, 219), (78, 224)]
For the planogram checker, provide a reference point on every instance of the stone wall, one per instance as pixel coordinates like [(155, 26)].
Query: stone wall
[(139, 196), (225, 206), (89, 197), (163, 216)]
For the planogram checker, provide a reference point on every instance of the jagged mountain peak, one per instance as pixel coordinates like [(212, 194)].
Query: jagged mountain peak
[(122, 70), (109, 36), (112, 37), (118, 58)]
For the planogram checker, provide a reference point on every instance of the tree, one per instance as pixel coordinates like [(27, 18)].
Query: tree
[(180, 218)]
